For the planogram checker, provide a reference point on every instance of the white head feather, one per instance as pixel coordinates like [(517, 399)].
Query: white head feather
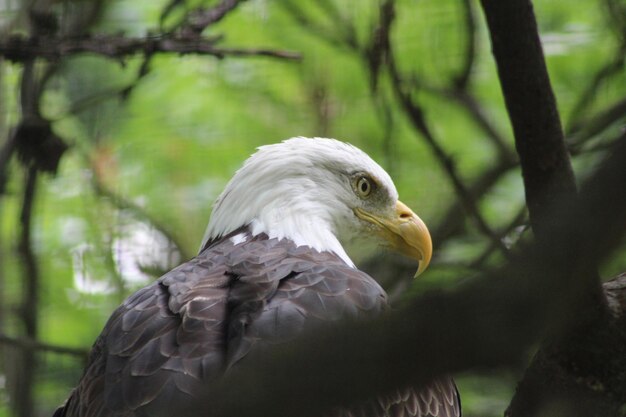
[(300, 190)]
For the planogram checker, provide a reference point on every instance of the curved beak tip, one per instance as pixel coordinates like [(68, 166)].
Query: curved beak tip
[(416, 238), (423, 263)]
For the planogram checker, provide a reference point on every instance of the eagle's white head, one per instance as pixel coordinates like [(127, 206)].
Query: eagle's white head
[(318, 192)]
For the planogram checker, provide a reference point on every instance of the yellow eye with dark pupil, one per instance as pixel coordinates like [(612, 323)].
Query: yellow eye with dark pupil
[(364, 187)]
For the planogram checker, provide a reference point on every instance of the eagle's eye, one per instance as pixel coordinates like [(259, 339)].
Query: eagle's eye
[(363, 186)]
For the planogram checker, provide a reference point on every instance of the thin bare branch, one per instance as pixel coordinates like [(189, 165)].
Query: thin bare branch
[(418, 120), (201, 18), (590, 128), (326, 34), (481, 260), (344, 26), (125, 204), (462, 79), (6, 153), (452, 222), (615, 12), (607, 71), (479, 116), (26, 343), (474, 109), (21, 48), (85, 103), (384, 53)]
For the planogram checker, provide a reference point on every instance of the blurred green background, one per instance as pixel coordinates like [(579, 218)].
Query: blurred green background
[(133, 194)]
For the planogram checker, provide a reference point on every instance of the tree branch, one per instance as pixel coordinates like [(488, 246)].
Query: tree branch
[(468, 102), (19, 48), (417, 119), (548, 175), (591, 127), (326, 34), (480, 261), (416, 116), (201, 18), (615, 12), (6, 153), (462, 79), (124, 204), (26, 343), (610, 69)]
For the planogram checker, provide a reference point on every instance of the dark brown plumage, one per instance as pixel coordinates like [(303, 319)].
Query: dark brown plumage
[(208, 314)]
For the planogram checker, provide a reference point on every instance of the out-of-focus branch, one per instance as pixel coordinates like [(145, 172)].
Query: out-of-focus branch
[(615, 12), (85, 103), (461, 80), (31, 270), (478, 115), (125, 204), (480, 261), (6, 153), (29, 306), (589, 128), (607, 71), (201, 18), (26, 343), (472, 106), (608, 144), (328, 35), (457, 90), (452, 221), (24, 137), (416, 116), (20, 48), (377, 53)]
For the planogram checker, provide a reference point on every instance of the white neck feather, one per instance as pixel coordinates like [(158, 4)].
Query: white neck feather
[(281, 211), (303, 227)]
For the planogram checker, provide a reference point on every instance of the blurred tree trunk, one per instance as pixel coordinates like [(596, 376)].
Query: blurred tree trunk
[(575, 372)]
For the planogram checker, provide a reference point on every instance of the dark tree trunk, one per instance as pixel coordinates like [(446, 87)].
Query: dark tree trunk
[(548, 175), (574, 373)]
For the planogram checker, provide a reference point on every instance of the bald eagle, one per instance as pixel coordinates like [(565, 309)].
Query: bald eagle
[(271, 267)]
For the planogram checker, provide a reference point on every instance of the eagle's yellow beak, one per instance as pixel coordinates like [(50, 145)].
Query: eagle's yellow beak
[(405, 232)]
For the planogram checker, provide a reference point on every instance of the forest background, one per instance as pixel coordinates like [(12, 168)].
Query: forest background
[(120, 127)]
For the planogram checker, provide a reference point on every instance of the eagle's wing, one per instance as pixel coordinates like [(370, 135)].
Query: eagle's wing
[(437, 399), (151, 348), (159, 348)]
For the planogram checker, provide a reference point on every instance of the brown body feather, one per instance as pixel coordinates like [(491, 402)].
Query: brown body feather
[(162, 345)]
